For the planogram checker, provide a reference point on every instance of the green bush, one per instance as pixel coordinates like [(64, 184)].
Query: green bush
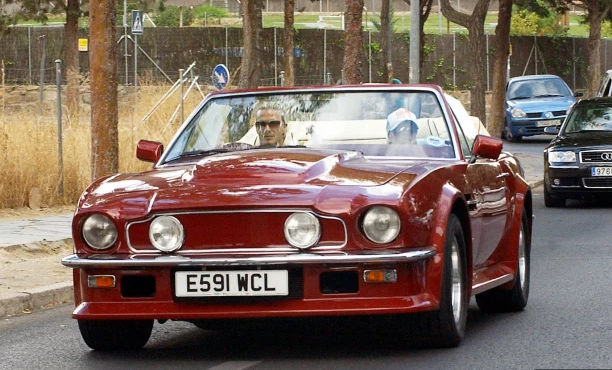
[(209, 11), (169, 16)]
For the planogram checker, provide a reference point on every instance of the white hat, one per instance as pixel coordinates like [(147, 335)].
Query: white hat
[(399, 116)]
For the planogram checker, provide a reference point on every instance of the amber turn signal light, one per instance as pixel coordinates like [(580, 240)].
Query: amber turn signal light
[(101, 281), (380, 276)]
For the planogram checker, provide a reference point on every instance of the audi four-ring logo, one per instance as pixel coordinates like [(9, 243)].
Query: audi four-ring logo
[(606, 156)]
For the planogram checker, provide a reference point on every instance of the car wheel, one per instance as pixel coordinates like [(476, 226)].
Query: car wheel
[(109, 335), (514, 299), (552, 201), (508, 136), (446, 326)]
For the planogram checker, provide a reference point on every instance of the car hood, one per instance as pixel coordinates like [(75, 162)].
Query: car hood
[(542, 104), (583, 139), (276, 177)]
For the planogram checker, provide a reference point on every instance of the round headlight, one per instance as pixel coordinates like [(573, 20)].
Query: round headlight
[(302, 230), (518, 112), (166, 233), (381, 224), (99, 231)]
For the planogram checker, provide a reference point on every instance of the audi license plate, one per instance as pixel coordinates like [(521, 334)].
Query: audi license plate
[(601, 171), (231, 283), (551, 122)]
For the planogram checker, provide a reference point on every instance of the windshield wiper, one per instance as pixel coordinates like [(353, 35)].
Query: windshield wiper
[(199, 153), (546, 95), (520, 97)]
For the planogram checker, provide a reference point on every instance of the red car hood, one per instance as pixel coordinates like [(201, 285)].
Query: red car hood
[(253, 178)]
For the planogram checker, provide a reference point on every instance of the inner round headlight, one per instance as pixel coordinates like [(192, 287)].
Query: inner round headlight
[(302, 230), (166, 233), (381, 224), (99, 232)]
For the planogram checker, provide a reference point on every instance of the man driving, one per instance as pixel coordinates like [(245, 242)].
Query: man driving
[(402, 127), (270, 126)]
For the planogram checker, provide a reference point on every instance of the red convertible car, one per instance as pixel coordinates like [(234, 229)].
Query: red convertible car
[(377, 200)]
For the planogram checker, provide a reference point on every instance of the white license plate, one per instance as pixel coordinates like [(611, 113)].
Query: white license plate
[(601, 171), (551, 122), (231, 283)]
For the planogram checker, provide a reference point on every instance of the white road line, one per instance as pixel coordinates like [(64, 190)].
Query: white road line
[(235, 365)]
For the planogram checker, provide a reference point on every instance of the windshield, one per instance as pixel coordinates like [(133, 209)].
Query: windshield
[(538, 88), (402, 123), (589, 118)]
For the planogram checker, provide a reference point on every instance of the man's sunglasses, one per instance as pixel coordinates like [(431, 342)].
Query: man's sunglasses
[(407, 128), (271, 124)]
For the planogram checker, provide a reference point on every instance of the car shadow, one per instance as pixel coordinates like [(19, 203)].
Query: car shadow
[(603, 201), (295, 339)]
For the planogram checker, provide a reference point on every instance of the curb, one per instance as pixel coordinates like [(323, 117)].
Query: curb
[(37, 298)]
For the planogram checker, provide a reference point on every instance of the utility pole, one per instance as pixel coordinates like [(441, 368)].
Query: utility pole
[(104, 101)]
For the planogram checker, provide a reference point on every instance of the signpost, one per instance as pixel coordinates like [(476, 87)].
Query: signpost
[(137, 29), (220, 76)]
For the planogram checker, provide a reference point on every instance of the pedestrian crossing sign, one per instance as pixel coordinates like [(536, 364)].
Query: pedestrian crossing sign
[(137, 23)]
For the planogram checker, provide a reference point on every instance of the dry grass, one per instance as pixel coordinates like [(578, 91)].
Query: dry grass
[(29, 145)]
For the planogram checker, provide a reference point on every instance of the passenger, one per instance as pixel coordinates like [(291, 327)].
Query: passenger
[(402, 127), (270, 126)]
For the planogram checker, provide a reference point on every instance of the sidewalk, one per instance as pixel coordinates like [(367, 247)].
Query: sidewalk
[(31, 274)]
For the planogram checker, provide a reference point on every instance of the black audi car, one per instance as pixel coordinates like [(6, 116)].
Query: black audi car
[(578, 162)]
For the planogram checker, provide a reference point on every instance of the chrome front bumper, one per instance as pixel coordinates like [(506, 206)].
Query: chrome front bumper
[(156, 260)]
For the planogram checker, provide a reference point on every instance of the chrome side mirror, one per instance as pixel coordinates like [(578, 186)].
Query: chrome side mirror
[(551, 130)]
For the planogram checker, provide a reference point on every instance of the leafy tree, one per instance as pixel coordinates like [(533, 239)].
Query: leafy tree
[(170, 16), (353, 42), (475, 25), (525, 23)]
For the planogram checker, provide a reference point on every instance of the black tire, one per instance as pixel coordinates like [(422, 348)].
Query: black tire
[(110, 335), (515, 299), (508, 136), (446, 326), (552, 201)]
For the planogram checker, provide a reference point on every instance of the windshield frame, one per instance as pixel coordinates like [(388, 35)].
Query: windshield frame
[(164, 161)]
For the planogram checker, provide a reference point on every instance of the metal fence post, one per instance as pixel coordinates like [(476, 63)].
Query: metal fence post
[(282, 77), (329, 80), (58, 81), (574, 61), (226, 48), (275, 59), (488, 65), (324, 54), (30, 55), (369, 57), (454, 64), (181, 83), (135, 63), (42, 66)]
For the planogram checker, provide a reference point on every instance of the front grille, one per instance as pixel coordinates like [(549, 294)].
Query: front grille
[(603, 183), (594, 156), (556, 113)]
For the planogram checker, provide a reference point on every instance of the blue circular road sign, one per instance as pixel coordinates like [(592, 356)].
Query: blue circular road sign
[(220, 76)]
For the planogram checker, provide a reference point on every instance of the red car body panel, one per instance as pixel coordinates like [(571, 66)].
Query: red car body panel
[(232, 205)]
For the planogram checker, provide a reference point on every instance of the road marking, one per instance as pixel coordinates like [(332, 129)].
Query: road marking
[(235, 365)]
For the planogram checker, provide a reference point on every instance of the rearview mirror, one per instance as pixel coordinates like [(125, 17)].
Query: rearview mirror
[(486, 147), (149, 151), (551, 130)]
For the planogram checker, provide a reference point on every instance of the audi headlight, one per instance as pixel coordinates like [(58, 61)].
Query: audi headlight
[(302, 230), (381, 224), (562, 157), (518, 112), (99, 231), (166, 233)]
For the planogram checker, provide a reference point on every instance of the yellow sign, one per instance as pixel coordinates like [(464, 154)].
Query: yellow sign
[(83, 44)]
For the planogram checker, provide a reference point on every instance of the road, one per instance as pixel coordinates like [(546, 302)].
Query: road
[(533, 145), (567, 323)]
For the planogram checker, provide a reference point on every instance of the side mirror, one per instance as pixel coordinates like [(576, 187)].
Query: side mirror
[(578, 94), (486, 147), (149, 151), (551, 130)]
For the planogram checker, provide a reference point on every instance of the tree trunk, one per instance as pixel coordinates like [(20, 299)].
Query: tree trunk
[(288, 38), (502, 51), (104, 102), (385, 39), (475, 25), (595, 17), (353, 42), (249, 71), (72, 55)]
